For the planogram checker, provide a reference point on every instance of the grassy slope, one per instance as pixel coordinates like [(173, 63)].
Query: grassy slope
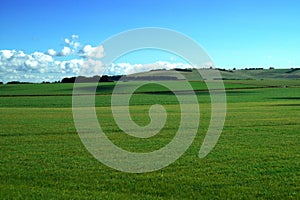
[(256, 156), (269, 74)]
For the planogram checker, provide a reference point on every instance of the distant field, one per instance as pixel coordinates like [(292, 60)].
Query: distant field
[(257, 155), (253, 74)]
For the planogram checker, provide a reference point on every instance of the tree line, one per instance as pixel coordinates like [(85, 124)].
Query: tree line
[(104, 78)]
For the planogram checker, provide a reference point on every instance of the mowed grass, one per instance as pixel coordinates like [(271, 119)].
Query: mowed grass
[(257, 155), (106, 88)]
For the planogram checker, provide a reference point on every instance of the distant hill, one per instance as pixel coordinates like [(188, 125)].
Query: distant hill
[(241, 74), (189, 74)]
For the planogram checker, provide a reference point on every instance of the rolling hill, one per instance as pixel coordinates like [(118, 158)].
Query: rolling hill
[(244, 74)]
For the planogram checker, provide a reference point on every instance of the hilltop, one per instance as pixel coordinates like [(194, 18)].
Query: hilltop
[(241, 74)]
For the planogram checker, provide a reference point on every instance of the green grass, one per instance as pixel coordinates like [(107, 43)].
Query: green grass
[(261, 74), (256, 157)]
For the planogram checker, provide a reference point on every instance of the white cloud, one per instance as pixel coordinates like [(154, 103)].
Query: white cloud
[(127, 68), (41, 57), (96, 52), (87, 49), (35, 67), (65, 51), (90, 51), (38, 66), (51, 52), (92, 67), (74, 37), (71, 66), (7, 54), (31, 63), (71, 46), (67, 41), (72, 42)]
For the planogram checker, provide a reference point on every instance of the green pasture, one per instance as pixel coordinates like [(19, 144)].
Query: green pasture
[(256, 157)]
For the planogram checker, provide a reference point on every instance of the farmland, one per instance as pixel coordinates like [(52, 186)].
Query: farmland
[(257, 155)]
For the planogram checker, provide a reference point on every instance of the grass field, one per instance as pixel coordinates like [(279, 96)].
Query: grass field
[(257, 155), (258, 74)]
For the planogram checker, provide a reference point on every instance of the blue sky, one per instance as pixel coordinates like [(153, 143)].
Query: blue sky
[(235, 33)]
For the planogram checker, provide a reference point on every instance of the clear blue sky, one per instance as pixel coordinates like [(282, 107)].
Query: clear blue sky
[(235, 33)]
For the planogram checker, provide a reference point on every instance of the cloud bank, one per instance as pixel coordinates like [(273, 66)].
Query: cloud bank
[(35, 67), (53, 65)]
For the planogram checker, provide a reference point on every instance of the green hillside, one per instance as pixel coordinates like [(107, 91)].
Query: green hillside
[(245, 74)]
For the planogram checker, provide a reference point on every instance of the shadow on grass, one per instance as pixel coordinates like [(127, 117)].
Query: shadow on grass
[(287, 104), (286, 98), (240, 92)]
